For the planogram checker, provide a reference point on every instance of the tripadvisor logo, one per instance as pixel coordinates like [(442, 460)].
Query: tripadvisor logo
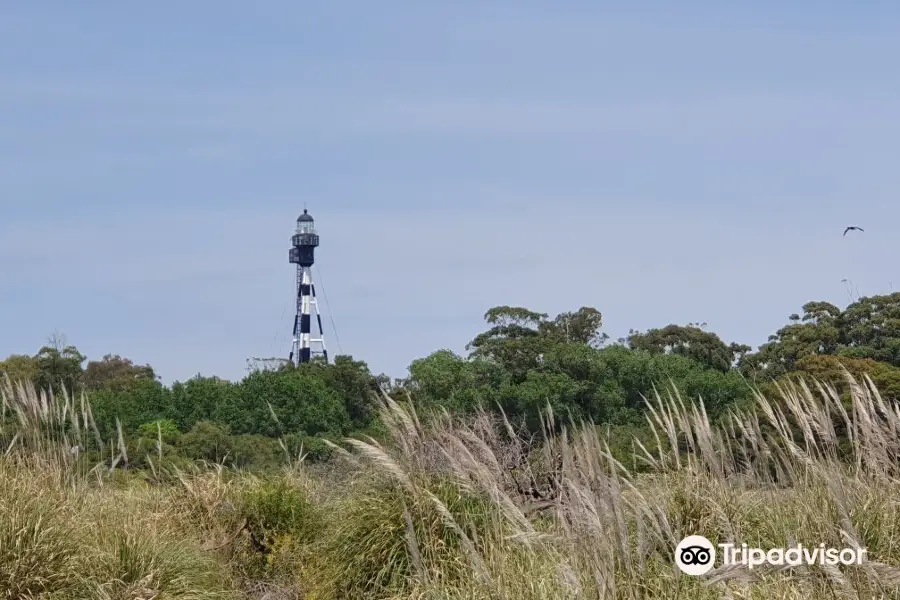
[(696, 555)]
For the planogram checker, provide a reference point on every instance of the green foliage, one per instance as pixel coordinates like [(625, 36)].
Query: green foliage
[(368, 552), (460, 385), (692, 342), (578, 381), (352, 382), (207, 441), (20, 368), (59, 366), (522, 363), (281, 522), (166, 429), (115, 373), (257, 423), (256, 452), (272, 403), (279, 507), (831, 369), (205, 398), (868, 328), (146, 402)]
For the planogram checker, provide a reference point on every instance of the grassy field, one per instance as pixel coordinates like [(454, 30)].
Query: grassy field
[(452, 510)]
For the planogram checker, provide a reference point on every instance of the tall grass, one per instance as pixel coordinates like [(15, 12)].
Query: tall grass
[(770, 477), (456, 508)]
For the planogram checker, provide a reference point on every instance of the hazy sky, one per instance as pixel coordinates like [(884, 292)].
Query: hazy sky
[(662, 165)]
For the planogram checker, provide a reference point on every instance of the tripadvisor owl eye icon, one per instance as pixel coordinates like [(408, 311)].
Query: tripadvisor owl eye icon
[(695, 555)]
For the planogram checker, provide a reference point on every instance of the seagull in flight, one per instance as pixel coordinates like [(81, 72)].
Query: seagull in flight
[(853, 228)]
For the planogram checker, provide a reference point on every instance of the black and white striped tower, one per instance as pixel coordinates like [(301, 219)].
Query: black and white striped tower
[(302, 254)]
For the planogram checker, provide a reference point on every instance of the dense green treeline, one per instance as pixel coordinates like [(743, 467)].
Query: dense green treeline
[(252, 422), (523, 362)]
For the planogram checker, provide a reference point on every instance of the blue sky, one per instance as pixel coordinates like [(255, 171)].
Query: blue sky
[(661, 164)]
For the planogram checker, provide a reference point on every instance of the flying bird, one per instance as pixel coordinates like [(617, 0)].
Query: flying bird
[(853, 228)]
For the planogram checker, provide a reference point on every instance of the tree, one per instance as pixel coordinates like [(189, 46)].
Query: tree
[(830, 369), (115, 373), (519, 338), (206, 441), (353, 381), (443, 378), (868, 328), (293, 401), (635, 373), (164, 429), (565, 396), (514, 340), (206, 399), (690, 341), (818, 332), (871, 329), (579, 327), (20, 368), (146, 402), (59, 364)]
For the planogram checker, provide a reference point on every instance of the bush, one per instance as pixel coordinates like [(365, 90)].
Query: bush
[(282, 525), (371, 549), (38, 554)]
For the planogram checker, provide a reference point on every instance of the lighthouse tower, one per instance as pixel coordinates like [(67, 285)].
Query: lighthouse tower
[(305, 241)]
